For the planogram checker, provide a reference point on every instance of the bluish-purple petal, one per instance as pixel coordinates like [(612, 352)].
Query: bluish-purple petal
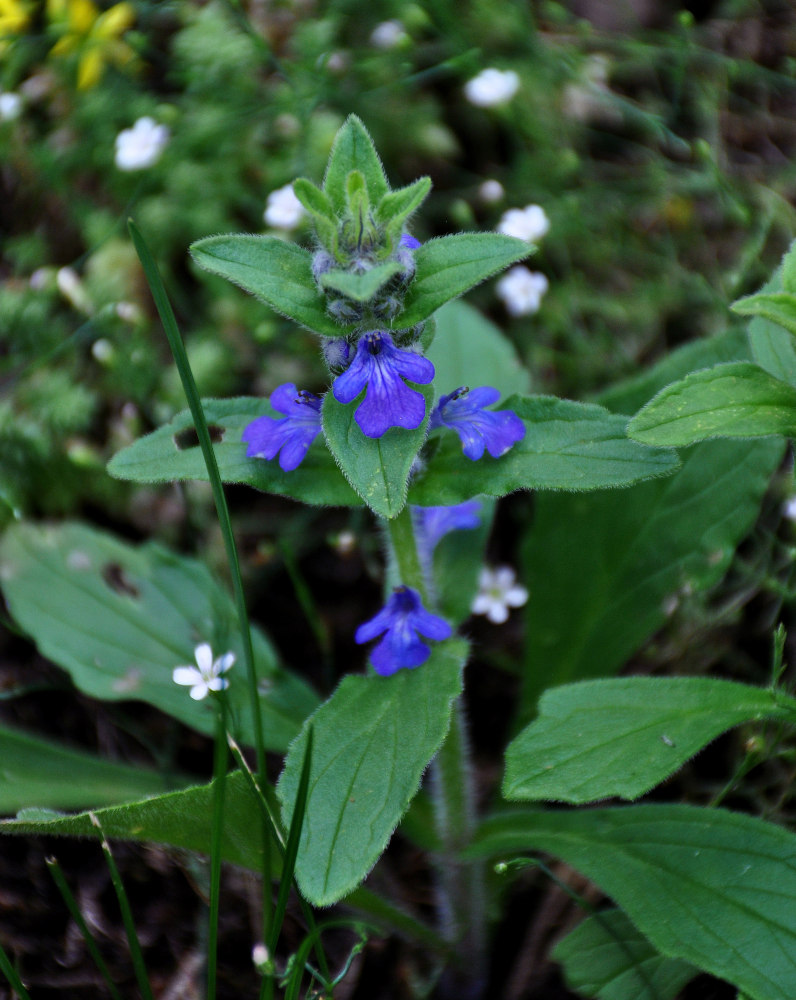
[(402, 618), (290, 436), (495, 431)]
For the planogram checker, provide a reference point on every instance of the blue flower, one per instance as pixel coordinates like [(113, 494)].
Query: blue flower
[(494, 430), (410, 242), (291, 435), (382, 367), (433, 523), (403, 620)]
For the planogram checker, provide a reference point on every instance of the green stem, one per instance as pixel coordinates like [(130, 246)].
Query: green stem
[(220, 755), (460, 885), (461, 889), (404, 547)]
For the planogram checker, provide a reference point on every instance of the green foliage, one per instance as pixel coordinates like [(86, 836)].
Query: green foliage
[(690, 879), (377, 468), (606, 957), (172, 453), (373, 739), (607, 568), (38, 772), (567, 446), (737, 399), (600, 739), (119, 619)]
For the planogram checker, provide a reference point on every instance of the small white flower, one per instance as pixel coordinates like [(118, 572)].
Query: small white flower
[(491, 191), (208, 675), (529, 223), (387, 35), (492, 87), (142, 145), (283, 210), (521, 290), (789, 509), (497, 592), (10, 106)]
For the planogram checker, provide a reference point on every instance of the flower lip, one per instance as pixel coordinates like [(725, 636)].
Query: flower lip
[(289, 436), (383, 369), (495, 431), (402, 621)]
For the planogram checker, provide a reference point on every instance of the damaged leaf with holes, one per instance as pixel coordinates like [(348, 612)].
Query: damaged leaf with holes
[(118, 618)]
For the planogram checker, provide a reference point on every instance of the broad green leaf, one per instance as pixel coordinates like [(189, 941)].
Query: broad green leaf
[(607, 958), (737, 399), (361, 287), (377, 468), (353, 149), (622, 737), (778, 307), (278, 272), (772, 347), (451, 265), (373, 740), (708, 886), (172, 452), (468, 349), (567, 446), (606, 569), (38, 772), (178, 819), (119, 619)]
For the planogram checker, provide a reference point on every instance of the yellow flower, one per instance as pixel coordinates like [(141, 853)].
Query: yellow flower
[(14, 19), (95, 37)]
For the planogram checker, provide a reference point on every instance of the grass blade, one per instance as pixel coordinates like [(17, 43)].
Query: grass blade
[(77, 916), (127, 915), (12, 976)]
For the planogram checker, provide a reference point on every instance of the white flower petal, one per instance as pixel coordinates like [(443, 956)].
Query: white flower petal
[(223, 663), (516, 597), (204, 658), (199, 692), (186, 675), (498, 613)]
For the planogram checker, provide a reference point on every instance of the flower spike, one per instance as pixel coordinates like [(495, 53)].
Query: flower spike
[(403, 620), (495, 431), (382, 367), (289, 436)]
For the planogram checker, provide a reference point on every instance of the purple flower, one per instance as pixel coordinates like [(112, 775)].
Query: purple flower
[(494, 430), (290, 435), (409, 242), (382, 367), (433, 523), (403, 620)]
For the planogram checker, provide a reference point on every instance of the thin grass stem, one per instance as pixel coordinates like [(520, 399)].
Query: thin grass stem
[(11, 974), (77, 916), (133, 943), (220, 756)]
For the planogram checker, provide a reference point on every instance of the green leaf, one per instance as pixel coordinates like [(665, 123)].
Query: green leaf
[(789, 269), (567, 446), (180, 819), (377, 468), (707, 886), (772, 347), (607, 958), (353, 149), (314, 200), (120, 618), (361, 287), (172, 453), (277, 272), (737, 399), (469, 349), (606, 569), (622, 737), (373, 740), (779, 307), (396, 206), (37, 772), (451, 265)]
